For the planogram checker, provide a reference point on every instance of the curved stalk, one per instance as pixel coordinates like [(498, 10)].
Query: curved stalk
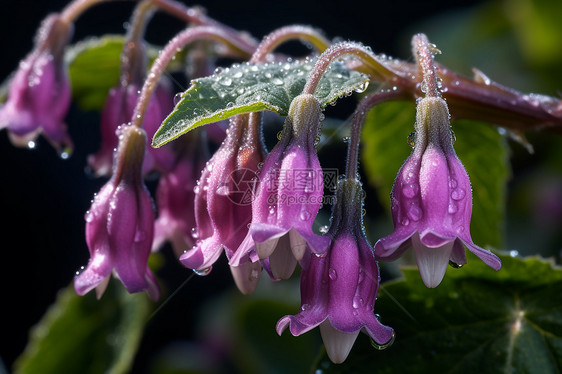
[(178, 42)]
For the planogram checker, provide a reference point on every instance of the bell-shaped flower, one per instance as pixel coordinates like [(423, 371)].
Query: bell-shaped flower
[(223, 205), (120, 225), (289, 195), (119, 108), (39, 95), (175, 194), (338, 291), (432, 201)]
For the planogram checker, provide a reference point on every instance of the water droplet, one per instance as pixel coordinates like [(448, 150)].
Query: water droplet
[(363, 87), (271, 210), (203, 272), (140, 236), (218, 70), (380, 347), (277, 81), (324, 229), (358, 301), (226, 81), (454, 265), (457, 194), (333, 274), (410, 190), (514, 253), (304, 307), (223, 190), (31, 144), (279, 135), (414, 213), (452, 208), (305, 215), (346, 139), (238, 74), (411, 139), (195, 233), (79, 271), (452, 183), (177, 98), (405, 221), (196, 189), (361, 276)]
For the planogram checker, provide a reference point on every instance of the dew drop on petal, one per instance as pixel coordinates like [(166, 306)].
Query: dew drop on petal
[(333, 274), (305, 215), (458, 194), (414, 213), (452, 208), (195, 233), (410, 190), (324, 229), (304, 307), (358, 301)]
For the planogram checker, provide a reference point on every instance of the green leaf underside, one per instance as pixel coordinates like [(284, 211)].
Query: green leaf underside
[(246, 88), (80, 334), (476, 321), (479, 146)]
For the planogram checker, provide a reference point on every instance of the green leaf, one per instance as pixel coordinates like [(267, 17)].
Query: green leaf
[(80, 334), (479, 146), (247, 88), (476, 321), (94, 69)]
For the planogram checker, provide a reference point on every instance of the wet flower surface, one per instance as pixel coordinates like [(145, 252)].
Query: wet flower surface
[(432, 201), (338, 290), (120, 225), (289, 195)]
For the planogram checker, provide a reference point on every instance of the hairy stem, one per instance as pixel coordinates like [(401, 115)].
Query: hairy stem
[(357, 120), (340, 50), (424, 51), (284, 34)]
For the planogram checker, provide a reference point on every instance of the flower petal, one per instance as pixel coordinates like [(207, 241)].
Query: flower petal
[(432, 262)]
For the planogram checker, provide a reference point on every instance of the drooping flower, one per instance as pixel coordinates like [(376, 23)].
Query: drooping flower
[(119, 108), (432, 201), (338, 291), (120, 225), (289, 195), (175, 194), (40, 94), (223, 205)]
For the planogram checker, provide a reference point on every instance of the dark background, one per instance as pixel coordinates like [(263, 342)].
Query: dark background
[(43, 198)]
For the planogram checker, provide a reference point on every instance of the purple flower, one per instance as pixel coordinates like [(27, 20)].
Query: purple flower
[(289, 195), (225, 192), (119, 107), (120, 225), (432, 201), (338, 291), (175, 195), (40, 93)]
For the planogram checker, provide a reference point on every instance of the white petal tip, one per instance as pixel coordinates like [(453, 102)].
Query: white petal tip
[(338, 344)]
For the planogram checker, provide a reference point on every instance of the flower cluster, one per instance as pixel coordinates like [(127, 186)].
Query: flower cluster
[(256, 206)]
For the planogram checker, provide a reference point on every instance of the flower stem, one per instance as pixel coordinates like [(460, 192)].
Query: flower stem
[(283, 34), (357, 120), (185, 37), (424, 51), (380, 72), (73, 10)]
